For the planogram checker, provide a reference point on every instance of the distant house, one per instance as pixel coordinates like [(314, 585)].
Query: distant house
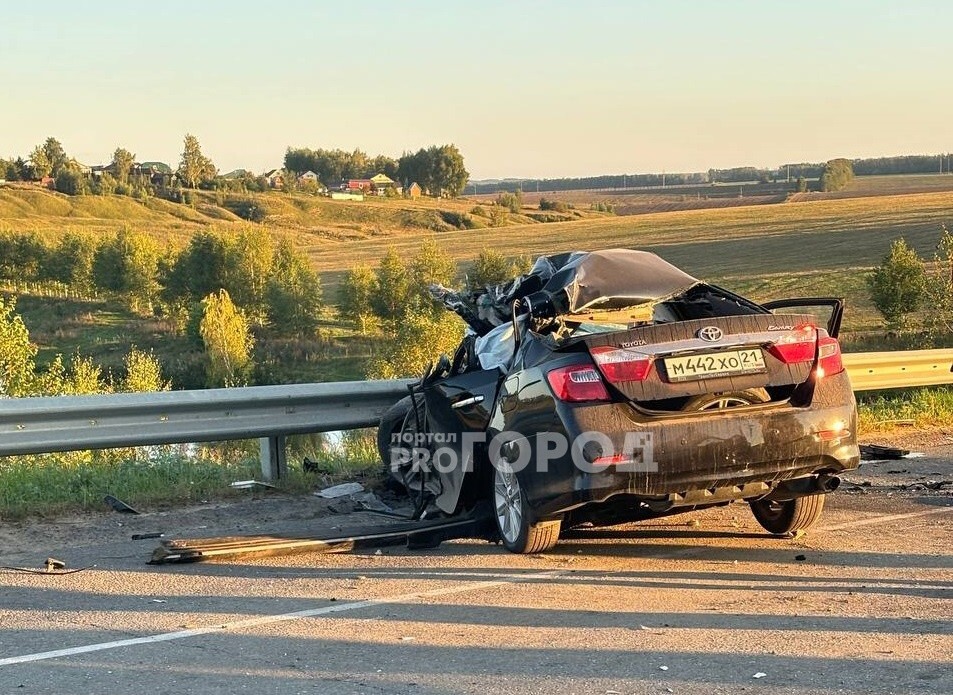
[(381, 182), (276, 178), (156, 173), (414, 191), (308, 176), (359, 185), (237, 174)]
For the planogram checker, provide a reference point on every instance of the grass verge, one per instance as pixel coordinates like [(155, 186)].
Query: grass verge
[(883, 411)]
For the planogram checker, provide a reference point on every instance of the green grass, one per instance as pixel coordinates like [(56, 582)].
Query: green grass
[(54, 484), (157, 477), (924, 407)]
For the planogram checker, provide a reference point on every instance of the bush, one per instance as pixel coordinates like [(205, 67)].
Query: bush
[(246, 208), (460, 220), (511, 201), (602, 207), (555, 205), (478, 210), (897, 286)]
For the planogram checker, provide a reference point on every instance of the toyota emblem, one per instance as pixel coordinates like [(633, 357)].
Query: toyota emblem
[(710, 334)]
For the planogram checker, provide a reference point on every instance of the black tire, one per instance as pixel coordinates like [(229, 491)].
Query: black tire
[(783, 518), (513, 516), (391, 423), (726, 399)]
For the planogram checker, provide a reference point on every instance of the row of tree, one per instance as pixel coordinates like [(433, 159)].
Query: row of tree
[(271, 282), (437, 169)]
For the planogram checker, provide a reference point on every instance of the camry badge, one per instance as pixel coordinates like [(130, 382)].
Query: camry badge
[(710, 334)]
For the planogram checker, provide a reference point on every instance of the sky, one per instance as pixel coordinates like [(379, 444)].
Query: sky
[(524, 89)]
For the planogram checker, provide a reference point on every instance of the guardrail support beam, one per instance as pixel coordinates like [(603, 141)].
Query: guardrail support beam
[(274, 462)]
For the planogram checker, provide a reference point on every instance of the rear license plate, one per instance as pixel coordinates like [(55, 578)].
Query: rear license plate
[(715, 364)]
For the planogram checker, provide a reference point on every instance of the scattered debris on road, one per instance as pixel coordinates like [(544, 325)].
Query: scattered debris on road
[(342, 490), (118, 505)]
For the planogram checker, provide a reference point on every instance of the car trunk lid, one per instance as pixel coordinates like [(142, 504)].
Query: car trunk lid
[(687, 358)]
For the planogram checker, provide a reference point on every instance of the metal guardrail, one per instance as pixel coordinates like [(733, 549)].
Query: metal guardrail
[(270, 413), (872, 371)]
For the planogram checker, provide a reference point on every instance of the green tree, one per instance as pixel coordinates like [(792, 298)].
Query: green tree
[(143, 373), (195, 167), (420, 338), (23, 255), (40, 164), (199, 270), (293, 295), (355, 294), (122, 163), (431, 266), (392, 293), (71, 262), (71, 181), (17, 353), (837, 174), (897, 286), (227, 339), (249, 260), (127, 265), (490, 268)]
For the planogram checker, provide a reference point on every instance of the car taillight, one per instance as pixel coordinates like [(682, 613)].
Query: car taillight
[(620, 366), (577, 382), (798, 346), (829, 360)]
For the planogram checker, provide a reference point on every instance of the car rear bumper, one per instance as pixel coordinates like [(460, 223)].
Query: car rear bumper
[(686, 453)]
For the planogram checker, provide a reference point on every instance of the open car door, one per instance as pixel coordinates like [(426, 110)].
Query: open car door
[(828, 310)]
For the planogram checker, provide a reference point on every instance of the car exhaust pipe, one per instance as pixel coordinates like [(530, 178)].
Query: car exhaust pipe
[(801, 487)]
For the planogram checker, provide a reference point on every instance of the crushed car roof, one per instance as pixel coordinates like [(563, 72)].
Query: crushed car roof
[(615, 278)]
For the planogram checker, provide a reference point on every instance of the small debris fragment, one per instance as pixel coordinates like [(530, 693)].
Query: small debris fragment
[(694, 523), (342, 490), (663, 668), (407, 639), (248, 484), (378, 552), (146, 536), (158, 600), (759, 674), (118, 505), (800, 558), (372, 502), (52, 564)]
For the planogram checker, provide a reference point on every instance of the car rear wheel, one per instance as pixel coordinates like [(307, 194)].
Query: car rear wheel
[(782, 518), (513, 518), (727, 399)]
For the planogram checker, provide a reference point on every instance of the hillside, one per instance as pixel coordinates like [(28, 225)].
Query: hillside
[(312, 219)]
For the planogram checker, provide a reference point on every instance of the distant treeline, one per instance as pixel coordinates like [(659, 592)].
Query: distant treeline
[(902, 164)]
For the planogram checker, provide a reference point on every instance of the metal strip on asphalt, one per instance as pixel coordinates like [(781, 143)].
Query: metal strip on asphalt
[(269, 619), (882, 519)]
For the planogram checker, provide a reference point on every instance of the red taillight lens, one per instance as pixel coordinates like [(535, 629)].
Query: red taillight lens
[(621, 365), (577, 382), (797, 346), (829, 360)]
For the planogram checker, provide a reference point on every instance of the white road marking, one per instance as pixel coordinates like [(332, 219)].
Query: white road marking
[(882, 519), (269, 619)]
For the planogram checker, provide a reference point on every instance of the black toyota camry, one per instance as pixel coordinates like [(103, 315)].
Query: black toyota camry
[(609, 386)]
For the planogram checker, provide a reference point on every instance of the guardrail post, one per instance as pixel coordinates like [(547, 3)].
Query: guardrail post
[(274, 463)]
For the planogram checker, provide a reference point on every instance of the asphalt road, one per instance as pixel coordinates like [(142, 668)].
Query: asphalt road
[(703, 603)]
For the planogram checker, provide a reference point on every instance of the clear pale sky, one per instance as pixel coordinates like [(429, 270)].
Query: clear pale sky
[(524, 89)]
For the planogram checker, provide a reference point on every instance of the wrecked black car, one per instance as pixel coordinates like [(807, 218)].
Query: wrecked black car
[(609, 386)]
